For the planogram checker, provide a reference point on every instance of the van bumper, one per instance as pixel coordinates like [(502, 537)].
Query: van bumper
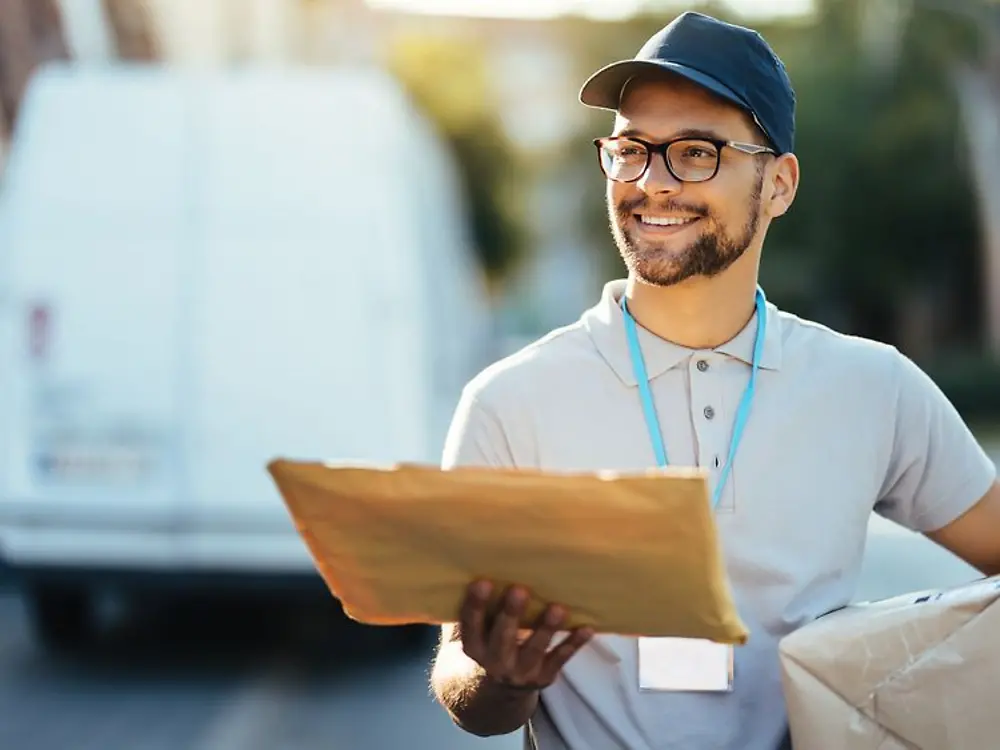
[(138, 558), (141, 581)]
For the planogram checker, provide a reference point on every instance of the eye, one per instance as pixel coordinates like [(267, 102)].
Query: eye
[(698, 152)]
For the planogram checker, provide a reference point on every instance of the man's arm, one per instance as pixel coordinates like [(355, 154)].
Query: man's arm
[(476, 703), (940, 482), (975, 535), (488, 675)]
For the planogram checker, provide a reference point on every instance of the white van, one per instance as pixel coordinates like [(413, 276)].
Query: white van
[(199, 272)]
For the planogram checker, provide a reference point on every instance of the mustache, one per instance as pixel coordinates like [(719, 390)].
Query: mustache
[(644, 205)]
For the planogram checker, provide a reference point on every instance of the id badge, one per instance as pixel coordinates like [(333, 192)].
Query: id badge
[(685, 665)]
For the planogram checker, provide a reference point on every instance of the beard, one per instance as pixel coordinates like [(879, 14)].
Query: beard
[(708, 255)]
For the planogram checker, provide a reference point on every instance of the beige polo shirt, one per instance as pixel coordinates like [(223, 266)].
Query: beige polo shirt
[(840, 426)]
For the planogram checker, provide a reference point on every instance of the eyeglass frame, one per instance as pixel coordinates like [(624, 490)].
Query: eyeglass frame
[(752, 149)]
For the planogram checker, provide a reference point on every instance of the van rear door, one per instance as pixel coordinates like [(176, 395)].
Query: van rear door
[(311, 345), (94, 223)]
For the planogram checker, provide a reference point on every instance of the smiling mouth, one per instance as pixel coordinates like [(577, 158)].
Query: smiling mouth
[(665, 224)]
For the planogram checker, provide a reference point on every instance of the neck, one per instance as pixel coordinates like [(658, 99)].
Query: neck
[(696, 314)]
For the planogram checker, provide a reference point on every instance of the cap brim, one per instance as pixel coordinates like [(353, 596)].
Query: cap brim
[(604, 88)]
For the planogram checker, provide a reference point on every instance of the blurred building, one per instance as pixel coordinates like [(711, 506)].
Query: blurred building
[(183, 32), (204, 33), (30, 34), (212, 32)]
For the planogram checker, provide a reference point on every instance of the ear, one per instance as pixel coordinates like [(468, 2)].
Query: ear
[(784, 184)]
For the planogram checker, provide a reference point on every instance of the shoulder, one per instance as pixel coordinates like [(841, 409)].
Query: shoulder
[(818, 348), (544, 363), (860, 371)]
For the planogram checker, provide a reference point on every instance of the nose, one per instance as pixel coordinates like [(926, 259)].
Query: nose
[(658, 180)]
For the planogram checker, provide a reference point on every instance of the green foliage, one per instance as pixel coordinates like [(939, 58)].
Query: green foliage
[(886, 203), (970, 382), (449, 79)]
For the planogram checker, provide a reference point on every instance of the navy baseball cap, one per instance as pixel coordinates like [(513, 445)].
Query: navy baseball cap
[(731, 61)]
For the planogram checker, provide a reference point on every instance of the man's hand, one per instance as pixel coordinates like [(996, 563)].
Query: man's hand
[(510, 656)]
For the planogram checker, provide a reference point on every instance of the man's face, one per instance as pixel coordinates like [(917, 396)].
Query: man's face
[(722, 216)]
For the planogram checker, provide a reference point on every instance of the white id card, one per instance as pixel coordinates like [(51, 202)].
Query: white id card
[(685, 664)]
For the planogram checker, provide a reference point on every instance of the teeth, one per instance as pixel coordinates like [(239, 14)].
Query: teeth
[(663, 221)]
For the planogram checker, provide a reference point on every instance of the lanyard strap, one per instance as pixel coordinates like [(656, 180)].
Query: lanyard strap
[(649, 408)]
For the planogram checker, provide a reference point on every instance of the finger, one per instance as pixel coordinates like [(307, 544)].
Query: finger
[(472, 619), (556, 659), (533, 650), (502, 645), (524, 634)]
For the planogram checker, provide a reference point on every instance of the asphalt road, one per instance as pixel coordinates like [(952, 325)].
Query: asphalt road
[(217, 676)]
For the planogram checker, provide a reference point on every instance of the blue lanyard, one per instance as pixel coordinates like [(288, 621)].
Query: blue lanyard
[(649, 409)]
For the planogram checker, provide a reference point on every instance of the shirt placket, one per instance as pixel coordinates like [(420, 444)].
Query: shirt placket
[(710, 416)]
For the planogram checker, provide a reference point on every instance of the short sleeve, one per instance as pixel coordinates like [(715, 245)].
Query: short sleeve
[(937, 469), (476, 437)]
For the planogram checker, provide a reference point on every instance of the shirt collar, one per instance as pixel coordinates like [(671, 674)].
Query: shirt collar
[(606, 326)]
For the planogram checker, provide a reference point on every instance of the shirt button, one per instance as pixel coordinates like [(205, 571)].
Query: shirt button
[(702, 365), (709, 412)]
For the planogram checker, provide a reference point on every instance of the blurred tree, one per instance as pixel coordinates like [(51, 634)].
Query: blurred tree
[(449, 79), (977, 83), (886, 211)]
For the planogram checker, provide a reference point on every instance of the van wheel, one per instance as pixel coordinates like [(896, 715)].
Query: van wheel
[(62, 617)]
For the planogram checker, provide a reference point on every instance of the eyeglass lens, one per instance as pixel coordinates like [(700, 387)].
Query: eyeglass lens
[(690, 160)]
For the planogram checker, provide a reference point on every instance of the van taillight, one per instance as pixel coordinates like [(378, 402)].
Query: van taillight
[(39, 332)]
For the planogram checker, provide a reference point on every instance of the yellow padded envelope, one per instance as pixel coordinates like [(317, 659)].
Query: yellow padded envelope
[(625, 554)]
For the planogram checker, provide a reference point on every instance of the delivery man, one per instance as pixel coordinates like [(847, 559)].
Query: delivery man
[(804, 431)]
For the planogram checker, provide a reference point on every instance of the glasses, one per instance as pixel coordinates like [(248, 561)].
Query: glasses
[(626, 159)]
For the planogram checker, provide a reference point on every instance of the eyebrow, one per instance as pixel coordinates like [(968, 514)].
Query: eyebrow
[(687, 133)]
